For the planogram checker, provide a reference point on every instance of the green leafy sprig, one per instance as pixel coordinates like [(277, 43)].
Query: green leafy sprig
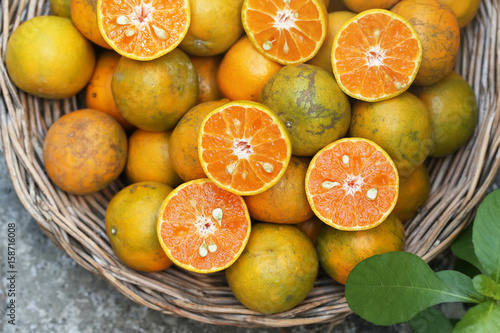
[(397, 287)]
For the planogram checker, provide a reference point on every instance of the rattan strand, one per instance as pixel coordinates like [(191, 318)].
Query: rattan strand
[(76, 223)]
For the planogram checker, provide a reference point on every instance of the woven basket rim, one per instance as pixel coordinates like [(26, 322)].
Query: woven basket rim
[(76, 225)]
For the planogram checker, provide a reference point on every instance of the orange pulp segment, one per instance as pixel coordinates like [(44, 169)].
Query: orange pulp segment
[(285, 31), (243, 147), (202, 227), (376, 55), (143, 29), (352, 184)]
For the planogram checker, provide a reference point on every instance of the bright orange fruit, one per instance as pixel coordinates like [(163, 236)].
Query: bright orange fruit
[(352, 184), (243, 147), (202, 227), (285, 31), (376, 55), (143, 29)]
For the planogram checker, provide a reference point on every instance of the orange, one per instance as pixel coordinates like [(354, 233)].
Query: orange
[(287, 32), (131, 226), (143, 29), (208, 88), (453, 113), (243, 71), (310, 103), (154, 95), (465, 10), (215, 26), (361, 5), (400, 125), (438, 30), (311, 228), (183, 146), (84, 16), (352, 184), (98, 94), (149, 158), (243, 147), (48, 57), (376, 55), (202, 227), (60, 8), (339, 251), (276, 271), (324, 56), (286, 201), (84, 151), (414, 191)]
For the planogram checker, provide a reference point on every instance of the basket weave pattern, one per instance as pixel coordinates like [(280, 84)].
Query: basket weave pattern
[(76, 223)]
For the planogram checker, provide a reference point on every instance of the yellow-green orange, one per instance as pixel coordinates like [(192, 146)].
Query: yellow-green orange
[(400, 125), (48, 57), (465, 10), (276, 270), (453, 112), (339, 251), (131, 226), (154, 95), (310, 103), (362, 5), (60, 8), (414, 191)]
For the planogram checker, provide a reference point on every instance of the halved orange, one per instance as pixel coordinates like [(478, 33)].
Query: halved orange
[(202, 227), (352, 184), (286, 31), (376, 55), (244, 147), (143, 29)]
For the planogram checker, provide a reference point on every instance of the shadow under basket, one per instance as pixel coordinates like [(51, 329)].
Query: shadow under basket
[(76, 223)]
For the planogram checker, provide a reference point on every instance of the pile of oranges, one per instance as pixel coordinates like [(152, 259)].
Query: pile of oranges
[(267, 139)]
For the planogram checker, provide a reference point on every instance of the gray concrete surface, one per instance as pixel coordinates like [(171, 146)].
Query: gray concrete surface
[(54, 294)]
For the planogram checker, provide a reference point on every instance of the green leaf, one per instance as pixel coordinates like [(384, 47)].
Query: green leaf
[(461, 283), (486, 235), (486, 286), (431, 320), (484, 317), (463, 248), (393, 287)]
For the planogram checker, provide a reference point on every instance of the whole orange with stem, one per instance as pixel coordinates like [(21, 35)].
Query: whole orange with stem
[(149, 158), (202, 227), (131, 226), (84, 16), (154, 95), (376, 55), (84, 151), (286, 201), (414, 191), (453, 110), (352, 184), (362, 5), (243, 71), (243, 147), (339, 250), (183, 146), (215, 26), (439, 32), (276, 270), (324, 56), (143, 29), (466, 10), (98, 94), (310, 103), (208, 87), (288, 32), (400, 125), (48, 57)]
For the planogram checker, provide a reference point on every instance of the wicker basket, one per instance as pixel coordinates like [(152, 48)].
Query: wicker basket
[(76, 223)]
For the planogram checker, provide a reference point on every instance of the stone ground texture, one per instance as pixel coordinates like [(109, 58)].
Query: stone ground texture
[(54, 294)]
